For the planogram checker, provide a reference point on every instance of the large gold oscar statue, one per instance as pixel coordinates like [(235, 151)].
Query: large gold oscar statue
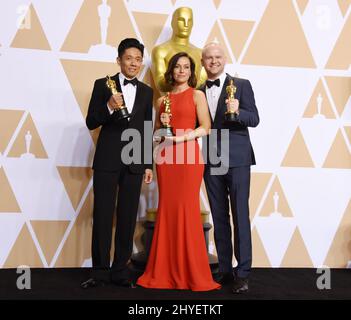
[(182, 24)]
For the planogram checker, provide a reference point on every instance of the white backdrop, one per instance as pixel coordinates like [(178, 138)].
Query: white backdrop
[(297, 55)]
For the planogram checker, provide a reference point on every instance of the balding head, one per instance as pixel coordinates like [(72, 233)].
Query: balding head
[(212, 46), (213, 60)]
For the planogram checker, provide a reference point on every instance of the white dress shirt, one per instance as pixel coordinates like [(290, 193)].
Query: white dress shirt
[(213, 94), (129, 93)]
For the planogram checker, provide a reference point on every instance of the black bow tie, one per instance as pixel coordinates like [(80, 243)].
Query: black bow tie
[(210, 83), (133, 82)]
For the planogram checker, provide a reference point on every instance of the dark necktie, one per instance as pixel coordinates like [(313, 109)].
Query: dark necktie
[(210, 83), (133, 82)]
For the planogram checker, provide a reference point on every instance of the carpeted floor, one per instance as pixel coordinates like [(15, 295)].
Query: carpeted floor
[(265, 283)]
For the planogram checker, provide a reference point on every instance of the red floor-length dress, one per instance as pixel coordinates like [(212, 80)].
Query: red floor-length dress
[(178, 257)]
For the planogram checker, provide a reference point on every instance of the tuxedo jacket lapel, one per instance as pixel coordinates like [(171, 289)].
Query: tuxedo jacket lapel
[(221, 106), (137, 101), (203, 89), (116, 79)]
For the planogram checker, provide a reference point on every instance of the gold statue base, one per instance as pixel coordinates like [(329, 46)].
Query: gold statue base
[(230, 117)]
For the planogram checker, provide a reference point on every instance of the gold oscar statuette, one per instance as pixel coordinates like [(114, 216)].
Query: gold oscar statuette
[(166, 129), (122, 111), (182, 24), (230, 116)]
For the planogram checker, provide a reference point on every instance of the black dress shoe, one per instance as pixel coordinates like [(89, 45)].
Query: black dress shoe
[(92, 283), (223, 277), (126, 283), (240, 285)]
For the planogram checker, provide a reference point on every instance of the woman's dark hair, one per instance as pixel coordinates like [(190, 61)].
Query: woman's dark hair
[(172, 64), (130, 43)]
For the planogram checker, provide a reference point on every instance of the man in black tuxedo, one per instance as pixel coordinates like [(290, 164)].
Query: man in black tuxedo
[(112, 168), (235, 183)]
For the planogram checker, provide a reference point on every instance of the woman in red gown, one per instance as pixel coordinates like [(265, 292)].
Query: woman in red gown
[(178, 257)]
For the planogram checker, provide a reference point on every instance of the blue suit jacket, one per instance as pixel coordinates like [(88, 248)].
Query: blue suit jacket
[(240, 149)]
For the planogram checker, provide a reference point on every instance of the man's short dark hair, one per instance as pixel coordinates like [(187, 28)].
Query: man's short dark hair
[(130, 43)]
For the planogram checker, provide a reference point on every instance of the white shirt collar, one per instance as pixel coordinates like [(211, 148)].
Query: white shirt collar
[(222, 78)]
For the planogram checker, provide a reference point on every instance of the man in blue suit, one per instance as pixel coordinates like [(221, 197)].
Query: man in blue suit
[(233, 185)]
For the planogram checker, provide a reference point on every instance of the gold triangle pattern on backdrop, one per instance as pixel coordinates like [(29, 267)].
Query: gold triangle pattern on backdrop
[(348, 133), (119, 27), (32, 37), (119, 17), (258, 185), (340, 250), (259, 254), (340, 89), (344, 5), (35, 146), (150, 26), (297, 154), (237, 32), (148, 79), (319, 104), (24, 251), (217, 36), (8, 202), (77, 246), (338, 156), (75, 180), (276, 202), (340, 57), (217, 3), (302, 4), (83, 86), (49, 235), (297, 254), (78, 41), (9, 120), (279, 39)]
